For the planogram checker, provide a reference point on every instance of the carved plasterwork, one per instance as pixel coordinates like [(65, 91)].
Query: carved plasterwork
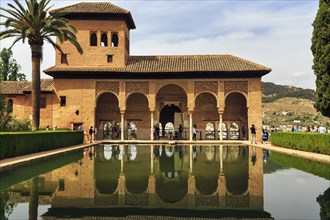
[(141, 87), (205, 86), (107, 87), (240, 86)]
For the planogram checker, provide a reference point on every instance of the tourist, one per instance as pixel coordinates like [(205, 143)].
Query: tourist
[(194, 131), (243, 130), (180, 132), (90, 134), (114, 131), (157, 130), (308, 129), (322, 129), (253, 134), (95, 132), (129, 131)]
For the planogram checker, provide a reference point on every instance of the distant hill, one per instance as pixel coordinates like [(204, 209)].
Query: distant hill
[(272, 92), (288, 105)]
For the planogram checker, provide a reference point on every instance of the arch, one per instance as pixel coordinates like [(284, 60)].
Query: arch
[(104, 39), (209, 131), (171, 103), (93, 39), (114, 40), (106, 111), (224, 131), (206, 111), (167, 119), (236, 109), (137, 111), (234, 131), (174, 86), (107, 130)]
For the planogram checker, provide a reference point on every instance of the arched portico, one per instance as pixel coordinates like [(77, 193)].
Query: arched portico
[(107, 110), (205, 111), (235, 112), (137, 111), (171, 106)]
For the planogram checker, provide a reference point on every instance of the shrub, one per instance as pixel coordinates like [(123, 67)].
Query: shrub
[(311, 142), (20, 143)]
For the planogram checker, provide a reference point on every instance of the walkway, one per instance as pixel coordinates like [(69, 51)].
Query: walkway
[(15, 161)]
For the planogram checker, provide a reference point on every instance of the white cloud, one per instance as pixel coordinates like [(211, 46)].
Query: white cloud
[(276, 34)]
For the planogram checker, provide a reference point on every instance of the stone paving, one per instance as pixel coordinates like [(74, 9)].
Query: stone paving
[(15, 161)]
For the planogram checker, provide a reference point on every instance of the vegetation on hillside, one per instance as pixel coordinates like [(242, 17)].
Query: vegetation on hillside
[(272, 92)]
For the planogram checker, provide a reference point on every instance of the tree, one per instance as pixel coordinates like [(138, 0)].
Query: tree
[(37, 25), (9, 69), (321, 52)]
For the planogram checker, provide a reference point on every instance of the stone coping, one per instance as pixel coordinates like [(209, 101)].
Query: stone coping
[(16, 161)]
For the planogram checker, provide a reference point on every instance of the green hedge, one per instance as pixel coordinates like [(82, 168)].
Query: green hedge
[(304, 141), (14, 144)]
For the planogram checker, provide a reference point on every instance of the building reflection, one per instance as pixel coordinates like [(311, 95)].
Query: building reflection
[(159, 176)]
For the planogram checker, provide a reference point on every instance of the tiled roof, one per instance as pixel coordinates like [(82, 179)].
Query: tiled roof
[(97, 8), (173, 64), (19, 87)]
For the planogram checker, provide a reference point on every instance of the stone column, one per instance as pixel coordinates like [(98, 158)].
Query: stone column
[(151, 125), (190, 125), (122, 151), (122, 125), (220, 116), (152, 159)]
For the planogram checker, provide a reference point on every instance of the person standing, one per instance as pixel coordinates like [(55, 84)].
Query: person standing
[(194, 131), (253, 134), (90, 132), (243, 132), (180, 132)]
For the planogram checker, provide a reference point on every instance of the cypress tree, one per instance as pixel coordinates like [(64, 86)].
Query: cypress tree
[(321, 52)]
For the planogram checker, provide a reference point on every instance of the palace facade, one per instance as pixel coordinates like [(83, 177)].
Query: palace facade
[(107, 87)]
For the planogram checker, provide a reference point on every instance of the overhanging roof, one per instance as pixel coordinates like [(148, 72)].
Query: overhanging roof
[(210, 66), (21, 87), (103, 9)]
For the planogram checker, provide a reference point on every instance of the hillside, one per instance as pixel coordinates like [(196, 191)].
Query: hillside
[(272, 92), (288, 105)]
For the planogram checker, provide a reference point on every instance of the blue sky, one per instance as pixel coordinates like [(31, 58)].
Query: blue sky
[(275, 33)]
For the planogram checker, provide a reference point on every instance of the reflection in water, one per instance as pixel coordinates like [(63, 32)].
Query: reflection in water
[(213, 178)]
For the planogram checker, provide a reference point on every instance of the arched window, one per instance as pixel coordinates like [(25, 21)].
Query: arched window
[(234, 131), (104, 39), (169, 127), (114, 40), (107, 130), (209, 131), (224, 131), (93, 39), (10, 106), (131, 131)]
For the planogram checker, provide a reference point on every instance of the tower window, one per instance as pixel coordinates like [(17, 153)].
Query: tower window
[(10, 106), (114, 40), (63, 100), (93, 39), (104, 39), (64, 58), (109, 58)]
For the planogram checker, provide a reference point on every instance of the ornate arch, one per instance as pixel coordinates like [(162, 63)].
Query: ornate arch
[(206, 86), (236, 86)]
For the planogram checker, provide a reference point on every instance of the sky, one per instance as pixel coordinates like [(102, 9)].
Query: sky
[(273, 33)]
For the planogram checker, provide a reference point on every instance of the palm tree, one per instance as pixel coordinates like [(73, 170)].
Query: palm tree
[(37, 25)]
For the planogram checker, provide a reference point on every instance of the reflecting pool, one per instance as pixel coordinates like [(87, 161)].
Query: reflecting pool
[(166, 181)]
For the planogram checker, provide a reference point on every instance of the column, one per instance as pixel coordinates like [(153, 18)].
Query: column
[(122, 125), (151, 125), (221, 160), (190, 125), (220, 115), (190, 159)]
